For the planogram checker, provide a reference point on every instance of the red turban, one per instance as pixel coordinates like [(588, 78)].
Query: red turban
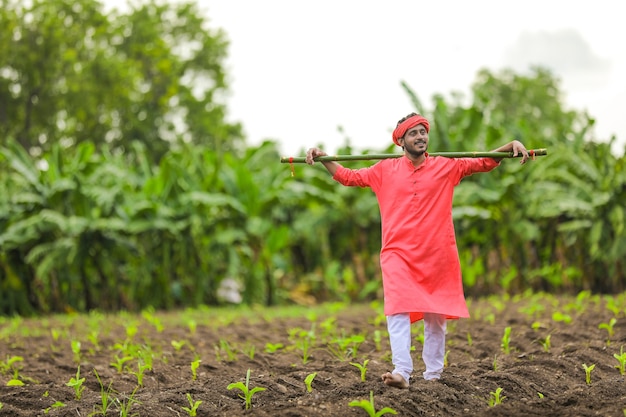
[(408, 124)]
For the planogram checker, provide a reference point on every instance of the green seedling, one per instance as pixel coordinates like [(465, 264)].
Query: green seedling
[(15, 382), (562, 317), (469, 339), (77, 383), (609, 328), (588, 370), (178, 344), (76, 350), (303, 340), (105, 398), (506, 340), (540, 395), (368, 406), (10, 364), (194, 368), (139, 373), (120, 362), (495, 363), (613, 306), (249, 350), (192, 325), (546, 343), (309, 380), (1, 405), (131, 330), (57, 404), (496, 397), (378, 340), (273, 347), (245, 389), (153, 320), (94, 339), (225, 347), (192, 410), (621, 358), (445, 358), (362, 368), (126, 404), (344, 347)]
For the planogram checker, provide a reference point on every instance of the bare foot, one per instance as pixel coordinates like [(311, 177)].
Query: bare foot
[(394, 380)]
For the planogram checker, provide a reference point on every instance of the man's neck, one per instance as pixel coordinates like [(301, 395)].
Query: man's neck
[(416, 160)]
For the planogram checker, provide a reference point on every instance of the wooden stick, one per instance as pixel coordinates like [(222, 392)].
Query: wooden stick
[(374, 156)]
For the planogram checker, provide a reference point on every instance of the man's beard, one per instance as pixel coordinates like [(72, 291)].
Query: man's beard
[(416, 153)]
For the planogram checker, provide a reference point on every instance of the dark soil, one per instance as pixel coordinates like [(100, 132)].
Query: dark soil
[(535, 380)]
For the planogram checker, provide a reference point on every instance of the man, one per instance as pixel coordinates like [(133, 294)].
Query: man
[(419, 257)]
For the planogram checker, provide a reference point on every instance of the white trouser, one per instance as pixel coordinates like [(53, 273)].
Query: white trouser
[(399, 327)]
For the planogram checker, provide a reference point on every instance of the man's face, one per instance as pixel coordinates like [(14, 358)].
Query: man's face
[(415, 140)]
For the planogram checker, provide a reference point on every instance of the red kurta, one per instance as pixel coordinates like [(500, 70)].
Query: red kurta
[(419, 257)]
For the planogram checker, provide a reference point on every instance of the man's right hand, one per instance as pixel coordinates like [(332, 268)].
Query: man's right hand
[(313, 153)]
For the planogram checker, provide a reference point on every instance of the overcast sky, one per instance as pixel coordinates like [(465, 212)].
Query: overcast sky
[(300, 69)]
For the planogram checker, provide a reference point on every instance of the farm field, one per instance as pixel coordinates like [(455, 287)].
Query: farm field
[(532, 355)]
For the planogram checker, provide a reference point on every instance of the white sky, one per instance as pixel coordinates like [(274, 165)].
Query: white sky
[(300, 69)]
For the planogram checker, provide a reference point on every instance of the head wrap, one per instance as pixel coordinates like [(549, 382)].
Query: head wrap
[(408, 124)]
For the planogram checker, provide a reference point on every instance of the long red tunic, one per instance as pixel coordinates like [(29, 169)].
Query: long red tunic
[(419, 257)]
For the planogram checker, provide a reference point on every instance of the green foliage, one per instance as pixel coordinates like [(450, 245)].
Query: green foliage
[(76, 73), (89, 224)]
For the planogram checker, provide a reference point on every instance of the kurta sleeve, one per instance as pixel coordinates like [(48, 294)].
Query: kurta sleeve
[(469, 166), (364, 177)]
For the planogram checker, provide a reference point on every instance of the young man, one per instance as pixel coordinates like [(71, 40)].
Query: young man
[(419, 257)]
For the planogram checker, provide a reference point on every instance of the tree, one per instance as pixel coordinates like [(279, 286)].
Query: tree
[(71, 73)]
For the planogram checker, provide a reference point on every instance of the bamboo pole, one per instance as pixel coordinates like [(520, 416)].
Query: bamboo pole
[(374, 156)]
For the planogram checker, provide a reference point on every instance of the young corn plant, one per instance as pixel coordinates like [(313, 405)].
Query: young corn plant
[(303, 341), (621, 358), (609, 327), (309, 380), (77, 384), (273, 347), (346, 347), (195, 364), (192, 410), (362, 368), (249, 350), (105, 398), (140, 372), (245, 389), (506, 340), (126, 404), (227, 349), (369, 407), (546, 343), (12, 364), (496, 397), (378, 340), (588, 370), (76, 350)]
